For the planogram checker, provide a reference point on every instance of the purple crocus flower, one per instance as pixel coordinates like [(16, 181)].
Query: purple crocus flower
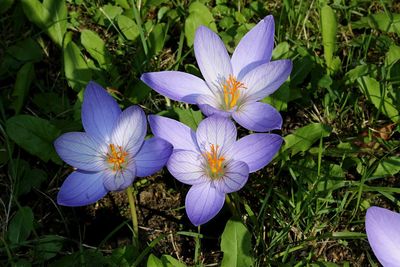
[(383, 232), (232, 86), (212, 160), (112, 151)]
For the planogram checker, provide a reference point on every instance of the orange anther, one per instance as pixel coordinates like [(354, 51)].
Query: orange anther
[(231, 91), (117, 157)]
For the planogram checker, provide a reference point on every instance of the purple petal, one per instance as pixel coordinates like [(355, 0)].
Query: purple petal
[(256, 150), (259, 117), (119, 180), (177, 134), (209, 105), (152, 156), (212, 57), (255, 48), (99, 112), (265, 79), (176, 85), (130, 130), (80, 151), (217, 131), (81, 188), (236, 175), (187, 167), (203, 202), (383, 232)]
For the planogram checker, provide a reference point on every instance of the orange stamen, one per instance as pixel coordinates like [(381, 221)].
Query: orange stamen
[(215, 162), (231, 91), (117, 157)]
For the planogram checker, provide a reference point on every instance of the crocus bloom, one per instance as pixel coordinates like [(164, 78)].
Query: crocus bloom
[(112, 151), (212, 160), (232, 86), (383, 232)]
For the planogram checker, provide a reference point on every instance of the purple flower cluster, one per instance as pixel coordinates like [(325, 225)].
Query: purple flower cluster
[(112, 151)]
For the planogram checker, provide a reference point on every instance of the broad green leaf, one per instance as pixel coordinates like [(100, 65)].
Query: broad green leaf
[(76, 70), (157, 38), (26, 178), (96, 47), (303, 138), (329, 29), (35, 135), (279, 98), (153, 261), (51, 17), (381, 21), (189, 117), (199, 15), (381, 100), (137, 92), (128, 27), (48, 246), (21, 225), (236, 245), (169, 261), (387, 167), (26, 50), (281, 51), (22, 85), (392, 61)]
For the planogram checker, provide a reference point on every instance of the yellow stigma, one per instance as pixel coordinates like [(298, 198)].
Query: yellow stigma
[(215, 163), (117, 157), (231, 91)]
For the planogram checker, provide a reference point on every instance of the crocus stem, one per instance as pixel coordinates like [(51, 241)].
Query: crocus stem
[(131, 199), (231, 205)]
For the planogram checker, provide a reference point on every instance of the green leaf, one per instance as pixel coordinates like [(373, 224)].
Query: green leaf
[(48, 246), (387, 167), (199, 15), (96, 47), (303, 138), (22, 84), (21, 225), (137, 92), (35, 135), (329, 30), (281, 51), (386, 22), (170, 261), (51, 17), (76, 70), (236, 245), (157, 38), (153, 261), (381, 100), (26, 178), (189, 117), (128, 27), (279, 98)]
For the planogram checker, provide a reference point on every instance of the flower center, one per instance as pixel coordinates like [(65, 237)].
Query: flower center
[(117, 157), (231, 91), (215, 162)]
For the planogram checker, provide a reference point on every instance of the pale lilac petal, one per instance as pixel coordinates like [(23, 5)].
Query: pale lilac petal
[(212, 57), (99, 112), (203, 202), (210, 105), (119, 180), (259, 117), (383, 232), (179, 86), (235, 177), (177, 134), (265, 79), (81, 188), (187, 167), (256, 150), (130, 130), (80, 151), (152, 156), (255, 48), (217, 131)]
